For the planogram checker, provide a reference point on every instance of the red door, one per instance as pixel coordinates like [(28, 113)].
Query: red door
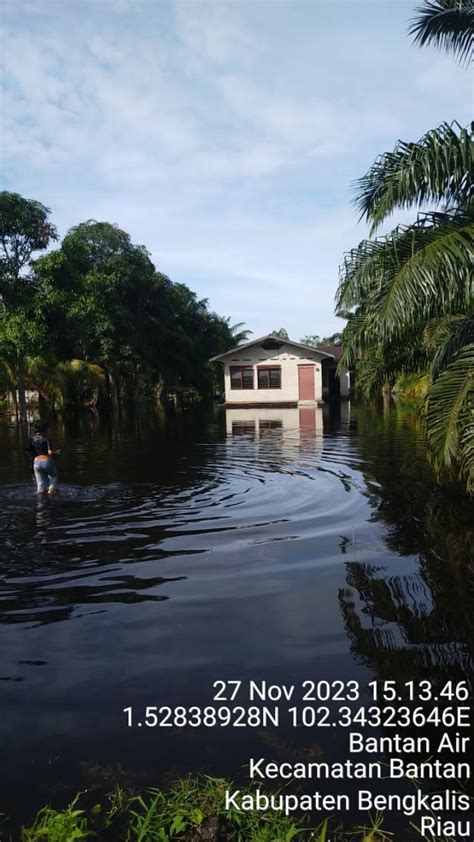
[(306, 382), (307, 420)]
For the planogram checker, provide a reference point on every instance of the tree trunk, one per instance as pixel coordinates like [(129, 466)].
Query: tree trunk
[(23, 407), (44, 406), (15, 405), (114, 397)]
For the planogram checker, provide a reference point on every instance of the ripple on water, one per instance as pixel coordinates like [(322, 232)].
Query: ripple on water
[(243, 494)]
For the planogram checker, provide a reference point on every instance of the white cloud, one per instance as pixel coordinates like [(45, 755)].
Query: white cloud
[(222, 137)]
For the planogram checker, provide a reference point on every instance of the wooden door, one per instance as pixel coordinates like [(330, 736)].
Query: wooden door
[(306, 382), (307, 419)]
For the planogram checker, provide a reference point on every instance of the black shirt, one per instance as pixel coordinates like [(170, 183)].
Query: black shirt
[(39, 445)]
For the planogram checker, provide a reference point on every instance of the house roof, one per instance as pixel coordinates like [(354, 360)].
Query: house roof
[(334, 350), (266, 338)]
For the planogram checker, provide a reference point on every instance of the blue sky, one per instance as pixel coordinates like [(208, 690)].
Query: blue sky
[(223, 135)]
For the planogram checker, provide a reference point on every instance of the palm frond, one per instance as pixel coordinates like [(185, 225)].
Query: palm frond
[(8, 380), (83, 373), (436, 331), (44, 375), (447, 25), (445, 337), (372, 376), (427, 272), (450, 415), (360, 267), (353, 337), (467, 449), (415, 274), (438, 169)]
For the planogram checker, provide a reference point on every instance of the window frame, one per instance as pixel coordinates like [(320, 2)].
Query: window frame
[(240, 369), (268, 368)]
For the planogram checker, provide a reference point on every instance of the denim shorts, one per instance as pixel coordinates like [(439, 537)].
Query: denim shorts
[(46, 475)]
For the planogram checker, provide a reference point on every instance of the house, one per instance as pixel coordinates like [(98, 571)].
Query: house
[(295, 423), (278, 372)]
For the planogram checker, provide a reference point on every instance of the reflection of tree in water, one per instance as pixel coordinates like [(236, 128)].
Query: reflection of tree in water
[(41, 605), (417, 624)]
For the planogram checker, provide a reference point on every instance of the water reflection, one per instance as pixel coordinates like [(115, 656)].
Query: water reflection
[(296, 421), (280, 544), (416, 617)]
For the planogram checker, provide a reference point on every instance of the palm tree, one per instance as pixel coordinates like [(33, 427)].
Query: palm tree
[(8, 384), (446, 24), (238, 335), (70, 382), (411, 291)]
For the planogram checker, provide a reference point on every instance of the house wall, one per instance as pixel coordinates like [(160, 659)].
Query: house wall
[(288, 358), (291, 422)]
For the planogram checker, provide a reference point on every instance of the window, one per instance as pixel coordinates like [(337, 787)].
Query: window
[(243, 428), (267, 424), (269, 378), (241, 377)]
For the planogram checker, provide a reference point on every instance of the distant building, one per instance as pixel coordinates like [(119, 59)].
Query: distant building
[(278, 372)]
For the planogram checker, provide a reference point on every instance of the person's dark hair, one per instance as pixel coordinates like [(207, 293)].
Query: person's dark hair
[(40, 426)]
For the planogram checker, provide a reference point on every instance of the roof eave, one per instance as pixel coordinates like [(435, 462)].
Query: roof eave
[(221, 357)]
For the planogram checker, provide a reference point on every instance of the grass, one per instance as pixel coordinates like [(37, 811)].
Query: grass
[(51, 825), (193, 810)]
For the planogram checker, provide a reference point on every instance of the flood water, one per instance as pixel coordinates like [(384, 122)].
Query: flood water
[(278, 545)]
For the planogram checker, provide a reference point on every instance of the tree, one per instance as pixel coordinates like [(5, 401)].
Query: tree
[(104, 303), (315, 341), (401, 286), (238, 331), (281, 333), (94, 318), (447, 25), (24, 229), (105, 286), (312, 340)]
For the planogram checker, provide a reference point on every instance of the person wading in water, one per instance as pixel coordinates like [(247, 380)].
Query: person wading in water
[(42, 454)]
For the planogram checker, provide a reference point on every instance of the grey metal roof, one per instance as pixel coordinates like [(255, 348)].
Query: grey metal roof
[(265, 339)]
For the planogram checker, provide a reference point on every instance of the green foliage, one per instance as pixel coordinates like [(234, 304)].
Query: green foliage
[(411, 386), (96, 321), (409, 295), (194, 808), (200, 803), (415, 273), (446, 24), (58, 826), (437, 168), (238, 331), (315, 341), (24, 229), (281, 333), (450, 415)]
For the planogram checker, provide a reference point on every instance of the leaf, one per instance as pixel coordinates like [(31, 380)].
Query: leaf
[(446, 24), (197, 817), (450, 415), (178, 824), (437, 168)]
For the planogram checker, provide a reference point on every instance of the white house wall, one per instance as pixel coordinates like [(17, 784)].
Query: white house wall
[(288, 357), (290, 421), (345, 381)]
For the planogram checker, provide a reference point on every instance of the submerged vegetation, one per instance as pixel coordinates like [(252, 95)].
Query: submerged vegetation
[(408, 295)]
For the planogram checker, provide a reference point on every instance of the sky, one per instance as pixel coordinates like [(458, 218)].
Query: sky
[(225, 136)]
